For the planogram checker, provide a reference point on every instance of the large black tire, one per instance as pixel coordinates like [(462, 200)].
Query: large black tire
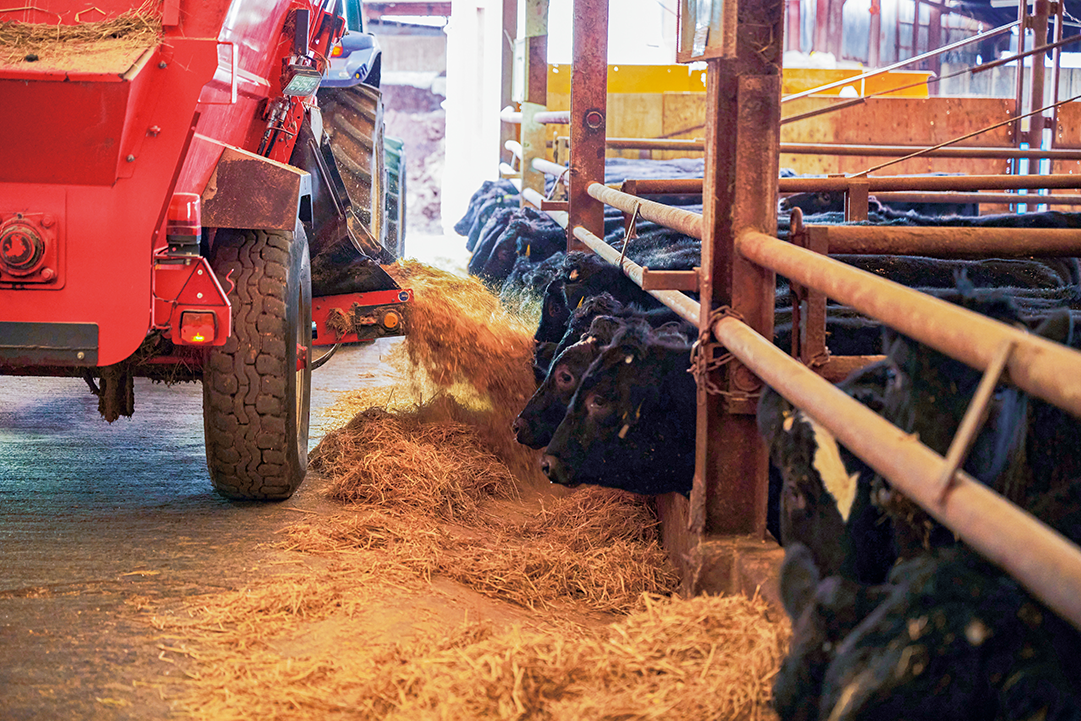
[(353, 118), (256, 396)]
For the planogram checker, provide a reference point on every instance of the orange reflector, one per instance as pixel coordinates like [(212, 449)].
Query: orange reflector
[(391, 320), (336, 51), (198, 327)]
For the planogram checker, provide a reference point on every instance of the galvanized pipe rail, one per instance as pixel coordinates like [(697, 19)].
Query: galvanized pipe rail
[(1041, 559), (547, 166), (1036, 366), (880, 183), (945, 242), (684, 221), (950, 242), (545, 117), (858, 150), (1050, 566), (950, 197)]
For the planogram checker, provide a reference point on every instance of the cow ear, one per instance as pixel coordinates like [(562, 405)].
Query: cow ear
[(773, 409), (1057, 327), (799, 579)]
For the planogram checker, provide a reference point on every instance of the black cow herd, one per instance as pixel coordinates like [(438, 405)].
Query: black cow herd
[(893, 618)]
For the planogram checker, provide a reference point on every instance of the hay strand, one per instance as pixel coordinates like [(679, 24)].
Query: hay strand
[(75, 44)]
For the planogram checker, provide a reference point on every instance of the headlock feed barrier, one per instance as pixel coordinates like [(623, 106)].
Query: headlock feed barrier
[(739, 195)]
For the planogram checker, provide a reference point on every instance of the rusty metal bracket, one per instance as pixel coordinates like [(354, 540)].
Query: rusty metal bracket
[(685, 280), (560, 179), (629, 234), (973, 420)]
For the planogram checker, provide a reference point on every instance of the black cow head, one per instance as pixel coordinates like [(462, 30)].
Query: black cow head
[(544, 412), (554, 314), (631, 424)]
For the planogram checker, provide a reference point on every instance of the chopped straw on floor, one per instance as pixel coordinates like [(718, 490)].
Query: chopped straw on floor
[(702, 658), (431, 485)]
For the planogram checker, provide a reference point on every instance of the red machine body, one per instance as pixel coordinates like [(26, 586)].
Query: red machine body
[(169, 201), (96, 150)]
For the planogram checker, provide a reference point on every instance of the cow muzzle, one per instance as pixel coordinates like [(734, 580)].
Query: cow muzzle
[(557, 472)]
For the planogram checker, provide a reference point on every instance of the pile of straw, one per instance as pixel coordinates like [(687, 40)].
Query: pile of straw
[(432, 490), (53, 43), (396, 460), (597, 548), (463, 341), (703, 658)]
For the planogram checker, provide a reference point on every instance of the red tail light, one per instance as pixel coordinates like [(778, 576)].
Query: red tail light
[(197, 327)]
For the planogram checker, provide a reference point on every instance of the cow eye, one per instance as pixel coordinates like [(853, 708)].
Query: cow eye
[(598, 406), (564, 379)]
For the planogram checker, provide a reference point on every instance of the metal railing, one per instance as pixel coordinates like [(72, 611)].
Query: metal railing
[(1048, 565)]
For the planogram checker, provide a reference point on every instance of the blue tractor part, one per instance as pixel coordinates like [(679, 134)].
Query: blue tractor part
[(357, 57), (372, 166)]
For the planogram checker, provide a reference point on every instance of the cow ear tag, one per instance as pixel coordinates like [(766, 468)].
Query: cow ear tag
[(623, 431), (629, 359)]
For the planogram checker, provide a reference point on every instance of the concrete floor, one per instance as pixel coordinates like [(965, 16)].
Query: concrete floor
[(95, 517)]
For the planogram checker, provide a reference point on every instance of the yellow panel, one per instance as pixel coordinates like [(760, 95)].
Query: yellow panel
[(680, 79), (636, 79)]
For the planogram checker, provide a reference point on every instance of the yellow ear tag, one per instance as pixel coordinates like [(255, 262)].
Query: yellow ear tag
[(580, 301), (527, 250), (638, 411), (629, 359), (623, 431)]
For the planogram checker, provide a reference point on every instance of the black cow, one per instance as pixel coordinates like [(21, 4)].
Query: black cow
[(948, 636), (826, 498), (930, 394), (490, 197), (528, 234), (631, 416), (572, 356), (545, 410)]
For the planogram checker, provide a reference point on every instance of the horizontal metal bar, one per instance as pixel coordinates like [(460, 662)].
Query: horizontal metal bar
[(510, 115), (951, 242), (684, 221), (685, 280), (933, 182), (658, 186), (950, 197), (911, 61), (539, 202), (547, 166), (654, 144), (948, 152), (544, 117), (685, 307), (553, 117), (859, 150), (1037, 366), (1044, 562)]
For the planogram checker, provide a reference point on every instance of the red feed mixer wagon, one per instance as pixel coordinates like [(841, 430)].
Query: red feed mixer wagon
[(174, 190)]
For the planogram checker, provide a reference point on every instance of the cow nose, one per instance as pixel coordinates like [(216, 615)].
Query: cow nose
[(552, 468), (518, 426)]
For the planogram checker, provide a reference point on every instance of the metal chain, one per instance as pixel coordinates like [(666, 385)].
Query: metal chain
[(703, 360)]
